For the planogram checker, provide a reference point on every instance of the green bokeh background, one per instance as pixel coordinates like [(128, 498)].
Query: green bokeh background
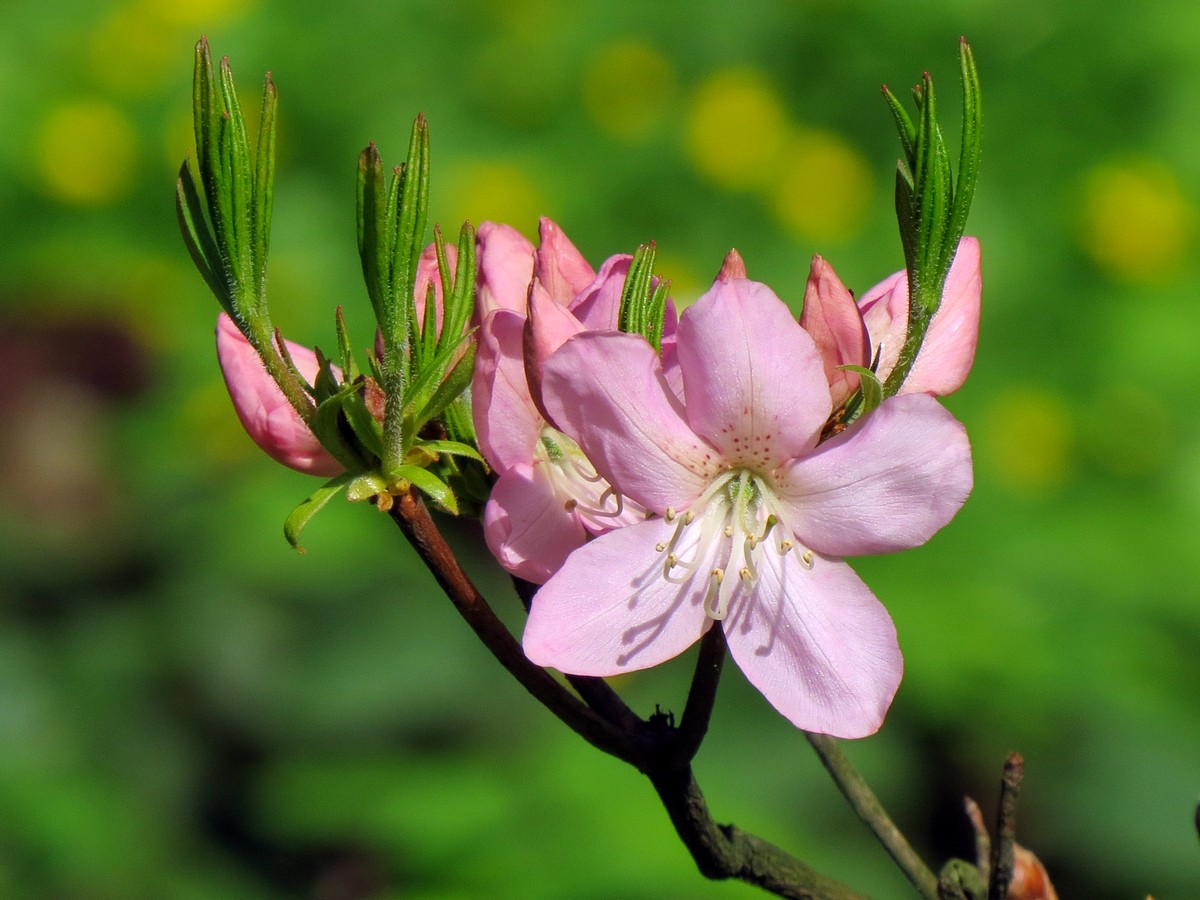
[(189, 709)]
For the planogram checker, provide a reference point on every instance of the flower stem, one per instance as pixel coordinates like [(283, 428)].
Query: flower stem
[(871, 812), (1006, 828)]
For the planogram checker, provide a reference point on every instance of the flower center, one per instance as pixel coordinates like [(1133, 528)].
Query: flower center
[(583, 489), (733, 525)]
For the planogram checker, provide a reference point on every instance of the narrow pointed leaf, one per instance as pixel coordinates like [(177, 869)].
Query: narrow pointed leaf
[(313, 504), (264, 185), (430, 485)]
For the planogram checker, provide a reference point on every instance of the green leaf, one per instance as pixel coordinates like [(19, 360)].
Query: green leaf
[(430, 485), (451, 387), (366, 486), (238, 162), (454, 448), (870, 386), (350, 370), (365, 426), (263, 193), (198, 238), (313, 504)]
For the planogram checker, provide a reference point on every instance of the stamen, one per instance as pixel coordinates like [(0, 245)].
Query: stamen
[(718, 609), (570, 505), (784, 546), (806, 559), (669, 515)]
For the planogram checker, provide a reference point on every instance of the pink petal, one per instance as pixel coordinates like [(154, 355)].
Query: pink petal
[(817, 644), (547, 327), (888, 483), (526, 525), (733, 267), (506, 421), (949, 349), (608, 610), (832, 318), (607, 391), (754, 380), (262, 408), (505, 260), (598, 306), (427, 276), (558, 265), (885, 312)]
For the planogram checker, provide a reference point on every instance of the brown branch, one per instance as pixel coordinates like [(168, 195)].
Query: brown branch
[(693, 726), (1006, 828), (723, 851), (414, 520), (604, 721), (872, 814)]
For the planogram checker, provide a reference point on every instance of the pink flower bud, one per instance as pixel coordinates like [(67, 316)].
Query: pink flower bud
[(262, 408)]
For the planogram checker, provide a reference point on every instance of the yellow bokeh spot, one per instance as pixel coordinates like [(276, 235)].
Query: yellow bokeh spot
[(823, 188), (1136, 223), (1025, 440), (736, 127), (86, 152), (628, 88), (494, 191)]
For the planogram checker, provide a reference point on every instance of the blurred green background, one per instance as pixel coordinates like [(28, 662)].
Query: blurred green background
[(189, 709)]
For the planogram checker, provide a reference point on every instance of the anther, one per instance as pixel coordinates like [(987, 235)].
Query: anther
[(570, 505), (669, 515), (807, 559)]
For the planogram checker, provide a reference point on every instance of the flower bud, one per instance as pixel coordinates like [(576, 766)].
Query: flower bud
[(262, 408)]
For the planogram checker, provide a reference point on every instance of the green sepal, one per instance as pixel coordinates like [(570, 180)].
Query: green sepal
[(430, 485), (313, 504), (350, 370), (454, 448), (263, 193), (366, 486), (643, 301), (237, 166), (870, 386), (198, 237), (456, 381), (326, 427)]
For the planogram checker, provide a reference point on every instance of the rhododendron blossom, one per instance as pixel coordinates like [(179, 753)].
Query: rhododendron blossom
[(751, 511), (261, 406), (548, 497), (873, 329)]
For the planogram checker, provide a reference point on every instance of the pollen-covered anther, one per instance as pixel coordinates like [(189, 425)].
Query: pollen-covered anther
[(807, 559), (669, 515), (570, 504)]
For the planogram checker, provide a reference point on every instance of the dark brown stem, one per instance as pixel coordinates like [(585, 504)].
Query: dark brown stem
[(720, 851), (872, 814), (701, 697), (1006, 827), (724, 851), (595, 692), (414, 520)]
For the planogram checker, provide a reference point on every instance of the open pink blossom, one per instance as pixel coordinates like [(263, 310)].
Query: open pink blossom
[(548, 498), (751, 512), (849, 333), (262, 408)]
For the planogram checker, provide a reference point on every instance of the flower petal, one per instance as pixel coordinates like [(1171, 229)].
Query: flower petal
[(505, 260), (949, 349), (263, 409), (607, 391), (526, 525), (817, 644), (888, 483), (609, 610), (754, 380), (831, 317), (598, 306), (547, 328), (558, 265), (506, 421)]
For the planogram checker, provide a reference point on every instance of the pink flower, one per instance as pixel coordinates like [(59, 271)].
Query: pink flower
[(849, 333), (262, 408), (548, 498), (751, 514)]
